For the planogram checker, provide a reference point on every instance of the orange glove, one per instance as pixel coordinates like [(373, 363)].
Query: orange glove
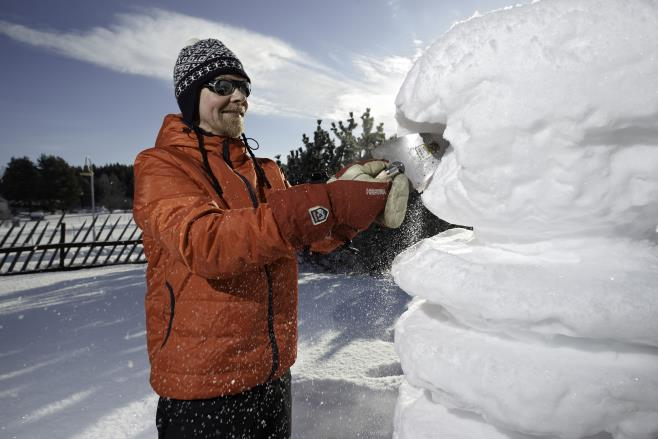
[(310, 212), (398, 194), (303, 213), (356, 205)]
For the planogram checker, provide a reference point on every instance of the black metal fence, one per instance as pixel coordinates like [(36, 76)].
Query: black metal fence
[(76, 241)]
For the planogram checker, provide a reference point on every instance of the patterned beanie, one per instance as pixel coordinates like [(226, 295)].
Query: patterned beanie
[(198, 63)]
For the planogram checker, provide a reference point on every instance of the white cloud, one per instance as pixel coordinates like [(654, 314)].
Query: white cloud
[(395, 7), (381, 79), (286, 80)]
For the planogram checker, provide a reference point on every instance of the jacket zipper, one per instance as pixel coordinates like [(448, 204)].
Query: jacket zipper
[(270, 288), (268, 276), (172, 305), (270, 324)]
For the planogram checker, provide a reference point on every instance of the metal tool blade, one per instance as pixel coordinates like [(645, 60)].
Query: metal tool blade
[(420, 154)]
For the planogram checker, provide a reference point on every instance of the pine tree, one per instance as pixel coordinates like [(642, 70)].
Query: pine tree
[(111, 192), (312, 162), (58, 183), (19, 182)]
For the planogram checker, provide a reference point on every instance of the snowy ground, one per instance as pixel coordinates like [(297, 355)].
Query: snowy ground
[(73, 360)]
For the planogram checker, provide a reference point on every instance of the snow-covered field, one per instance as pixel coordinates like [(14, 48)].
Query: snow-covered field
[(73, 358)]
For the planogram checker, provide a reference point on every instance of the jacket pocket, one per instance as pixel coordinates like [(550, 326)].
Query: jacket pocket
[(172, 306)]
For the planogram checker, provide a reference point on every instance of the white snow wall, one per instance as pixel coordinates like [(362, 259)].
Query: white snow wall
[(543, 321)]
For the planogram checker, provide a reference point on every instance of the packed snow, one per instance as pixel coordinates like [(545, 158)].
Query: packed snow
[(548, 107), (73, 360), (542, 321)]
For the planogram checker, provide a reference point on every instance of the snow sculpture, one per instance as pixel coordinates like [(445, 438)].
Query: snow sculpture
[(543, 321)]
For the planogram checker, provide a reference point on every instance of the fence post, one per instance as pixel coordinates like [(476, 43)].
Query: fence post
[(62, 240)]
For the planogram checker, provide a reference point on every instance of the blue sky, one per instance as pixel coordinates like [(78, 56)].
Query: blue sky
[(85, 78)]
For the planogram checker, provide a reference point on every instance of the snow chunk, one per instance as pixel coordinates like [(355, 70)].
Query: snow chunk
[(600, 288), (533, 388), (549, 108)]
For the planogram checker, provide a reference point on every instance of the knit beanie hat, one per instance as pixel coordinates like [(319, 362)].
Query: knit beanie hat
[(198, 63)]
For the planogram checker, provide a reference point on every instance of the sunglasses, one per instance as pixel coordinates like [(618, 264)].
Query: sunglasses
[(226, 87)]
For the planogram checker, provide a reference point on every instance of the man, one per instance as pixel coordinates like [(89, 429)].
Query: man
[(221, 228)]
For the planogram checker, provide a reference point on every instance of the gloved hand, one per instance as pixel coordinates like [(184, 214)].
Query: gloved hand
[(361, 171), (311, 212), (396, 203), (356, 205), (398, 197)]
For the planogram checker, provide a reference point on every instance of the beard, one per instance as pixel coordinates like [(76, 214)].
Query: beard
[(232, 124), (225, 121)]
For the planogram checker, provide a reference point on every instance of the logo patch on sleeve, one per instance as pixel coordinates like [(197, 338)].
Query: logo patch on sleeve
[(318, 214)]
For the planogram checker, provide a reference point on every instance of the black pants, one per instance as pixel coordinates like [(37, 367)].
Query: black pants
[(263, 412)]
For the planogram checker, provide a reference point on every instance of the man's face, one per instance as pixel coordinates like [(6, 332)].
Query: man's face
[(223, 115)]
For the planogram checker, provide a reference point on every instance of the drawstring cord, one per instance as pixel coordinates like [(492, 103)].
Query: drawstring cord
[(260, 173), (206, 164)]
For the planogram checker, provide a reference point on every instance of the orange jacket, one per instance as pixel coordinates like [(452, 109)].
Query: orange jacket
[(221, 297)]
